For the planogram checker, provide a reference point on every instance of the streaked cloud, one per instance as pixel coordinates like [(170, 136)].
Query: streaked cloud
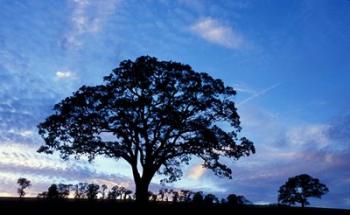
[(258, 94), (212, 30), (22, 160)]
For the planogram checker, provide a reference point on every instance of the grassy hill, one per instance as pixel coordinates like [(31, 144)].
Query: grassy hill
[(69, 206)]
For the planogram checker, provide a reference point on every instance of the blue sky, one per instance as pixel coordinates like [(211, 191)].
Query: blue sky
[(288, 60)]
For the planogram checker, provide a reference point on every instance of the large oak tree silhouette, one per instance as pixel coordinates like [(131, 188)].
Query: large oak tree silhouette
[(153, 114)]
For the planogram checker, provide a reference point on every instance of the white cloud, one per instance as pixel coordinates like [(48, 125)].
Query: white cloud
[(213, 31), (64, 74)]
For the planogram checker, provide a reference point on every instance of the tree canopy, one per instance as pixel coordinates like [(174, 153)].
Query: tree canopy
[(297, 189), (153, 114)]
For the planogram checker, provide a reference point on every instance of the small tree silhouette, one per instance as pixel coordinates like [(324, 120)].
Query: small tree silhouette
[(186, 195), (151, 196), (210, 199), (92, 191), (52, 192), (297, 189), (80, 190), (235, 200), (198, 198), (103, 191), (175, 196), (113, 193), (161, 194), (63, 190), (23, 184), (60, 191), (127, 194)]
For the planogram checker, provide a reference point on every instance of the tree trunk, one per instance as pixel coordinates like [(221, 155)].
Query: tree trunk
[(142, 191), (302, 203), (142, 183)]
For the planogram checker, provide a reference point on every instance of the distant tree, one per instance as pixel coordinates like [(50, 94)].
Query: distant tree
[(233, 199), (299, 188), (42, 195), (236, 200), (23, 184), (162, 193), (113, 193), (186, 195), (80, 190), (161, 113), (175, 196), (210, 199), (245, 200), (52, 192), (103, 190), (60, 191), (197, 198), (152, 196), (92, 191), (167, 193), (223, 201), (63, 190), (181, 195), (127, 194), (121, 192)]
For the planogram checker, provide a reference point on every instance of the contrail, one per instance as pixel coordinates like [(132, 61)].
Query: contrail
[(260, 93)]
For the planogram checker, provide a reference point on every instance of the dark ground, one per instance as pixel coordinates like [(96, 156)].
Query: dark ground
[(40, 206)]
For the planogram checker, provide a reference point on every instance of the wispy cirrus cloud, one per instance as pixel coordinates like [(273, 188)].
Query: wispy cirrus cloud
[(212, 30), (88, 17)]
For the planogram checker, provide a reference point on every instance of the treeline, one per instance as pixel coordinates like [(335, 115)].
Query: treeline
[(296, 190), (86, 191), (94, 191)]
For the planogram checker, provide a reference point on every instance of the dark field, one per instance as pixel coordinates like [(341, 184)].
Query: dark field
[(40, 206)]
